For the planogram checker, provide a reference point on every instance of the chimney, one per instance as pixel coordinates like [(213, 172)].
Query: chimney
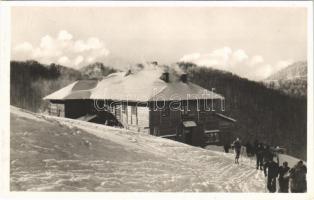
[(184, 78), (154, 63), (165, 77)]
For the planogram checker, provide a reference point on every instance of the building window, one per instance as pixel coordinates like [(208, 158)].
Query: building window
[(134, 119), (118, 112), (56, 109), (212, 136), (111, 109), (133, 110)]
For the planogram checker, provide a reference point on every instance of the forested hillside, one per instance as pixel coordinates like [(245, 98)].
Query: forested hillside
[(294, 87), (30, 81), (262, 113), (291, 80)]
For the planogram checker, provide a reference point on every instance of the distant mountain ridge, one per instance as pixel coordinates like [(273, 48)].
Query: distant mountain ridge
[(291, 80), (297, 70)]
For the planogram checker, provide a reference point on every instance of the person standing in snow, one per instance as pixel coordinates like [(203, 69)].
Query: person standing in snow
[(249, 149), (259, 156), (267, 154), (226, 147), (298, 178), (256, 143), (271, 169), (284, 178), (237, 149)]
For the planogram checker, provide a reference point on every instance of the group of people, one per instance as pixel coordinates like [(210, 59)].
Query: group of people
[(294, 177)]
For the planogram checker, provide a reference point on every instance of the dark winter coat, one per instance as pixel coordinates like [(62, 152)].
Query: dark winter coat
[(271, 169), (256, 143), (249, 149), (237, 145), (259, 151), (298, 178), (227, 147), (283, 179), (267, 155), (282, 171)]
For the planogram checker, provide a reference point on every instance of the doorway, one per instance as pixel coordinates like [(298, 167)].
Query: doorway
[(188, 135)]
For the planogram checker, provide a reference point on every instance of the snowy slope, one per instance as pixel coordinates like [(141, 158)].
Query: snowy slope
[(55, 154)]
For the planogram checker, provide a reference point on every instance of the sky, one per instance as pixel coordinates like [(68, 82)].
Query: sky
[(251, 42)]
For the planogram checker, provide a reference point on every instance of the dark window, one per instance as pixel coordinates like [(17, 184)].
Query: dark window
[(212, 137)]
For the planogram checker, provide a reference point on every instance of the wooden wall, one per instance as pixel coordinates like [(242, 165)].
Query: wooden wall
[(56, 109), (164, 123), (135, 117), (159, 122)]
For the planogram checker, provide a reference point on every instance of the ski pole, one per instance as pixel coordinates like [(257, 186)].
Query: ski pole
[(265, 184)]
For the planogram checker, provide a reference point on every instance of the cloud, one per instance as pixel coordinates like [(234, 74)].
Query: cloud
[(219, 57), (257, 59), (78, 60), (64, 35), (239, 56), (237, 61), (63, 49), (47, 42), (64, 60), (190, 57), (23, 47), (262, 72), (282, 64)]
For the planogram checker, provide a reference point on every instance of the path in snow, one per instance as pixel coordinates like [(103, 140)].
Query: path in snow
[(54, 154)]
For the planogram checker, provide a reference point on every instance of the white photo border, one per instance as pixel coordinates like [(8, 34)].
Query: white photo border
[(5, 42)]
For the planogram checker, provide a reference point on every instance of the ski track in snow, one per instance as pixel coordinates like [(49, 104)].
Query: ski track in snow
[(174, 167)]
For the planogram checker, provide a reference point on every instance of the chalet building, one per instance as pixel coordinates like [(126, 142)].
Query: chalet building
[(152, 100)]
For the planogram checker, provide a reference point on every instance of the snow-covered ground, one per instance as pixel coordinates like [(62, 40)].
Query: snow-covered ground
[(282, 157), (55, 154)]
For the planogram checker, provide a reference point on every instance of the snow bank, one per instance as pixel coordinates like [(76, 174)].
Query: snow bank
[(53, 156)]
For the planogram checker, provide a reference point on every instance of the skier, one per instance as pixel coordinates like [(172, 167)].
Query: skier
[(249, 149), (271, 169), (284, 178), (237, 149), (256, 143), (267, 154), (259, 156), (298, 178)]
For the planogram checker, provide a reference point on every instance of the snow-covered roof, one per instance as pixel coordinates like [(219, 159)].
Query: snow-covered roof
[(141, 86)]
